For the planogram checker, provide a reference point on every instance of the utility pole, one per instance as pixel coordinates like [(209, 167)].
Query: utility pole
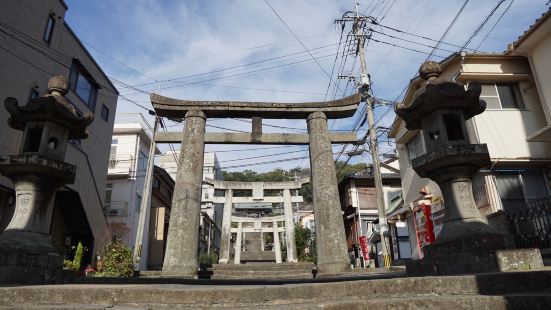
[(358, 33), (145, 204)]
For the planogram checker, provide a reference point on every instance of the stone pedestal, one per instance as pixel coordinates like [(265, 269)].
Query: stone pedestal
[(477, 253), (183, 234), (331, 241), (26, 251)]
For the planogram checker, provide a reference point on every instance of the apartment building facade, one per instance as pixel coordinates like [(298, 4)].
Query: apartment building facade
[(37, 43), (128, 159), (211, 213)]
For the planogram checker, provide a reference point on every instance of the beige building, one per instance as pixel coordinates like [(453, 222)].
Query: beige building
[(161, 203), (35, 44), (515, 126)]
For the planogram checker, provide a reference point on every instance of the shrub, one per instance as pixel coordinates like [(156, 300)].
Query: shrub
[(118, 260), (206, 260), (76, 263)]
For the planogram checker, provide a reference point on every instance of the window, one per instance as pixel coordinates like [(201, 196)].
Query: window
[(113, 152), (142, 161), (34, 94), (49, 30), (208, 169), (502, 96), (104, 112), (415, 147), (138, 202), (516, 188), (108, 194), (83, 85)]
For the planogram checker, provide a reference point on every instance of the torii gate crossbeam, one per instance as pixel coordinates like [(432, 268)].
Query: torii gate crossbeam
[(183, 233)]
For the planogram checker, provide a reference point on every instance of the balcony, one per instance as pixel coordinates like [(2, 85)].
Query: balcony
[(121, 166), (116, 209)]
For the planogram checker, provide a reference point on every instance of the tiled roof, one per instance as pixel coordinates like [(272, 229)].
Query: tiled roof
[(532, 27)]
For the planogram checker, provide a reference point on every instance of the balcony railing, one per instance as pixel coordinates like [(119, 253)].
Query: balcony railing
[(531, 225), (116, 209), (122, 164)]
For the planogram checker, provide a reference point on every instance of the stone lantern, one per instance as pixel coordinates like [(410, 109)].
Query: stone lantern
[(466, 242), (37, 172)]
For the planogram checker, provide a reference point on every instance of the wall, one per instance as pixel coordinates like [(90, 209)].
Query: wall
[(22, 67)]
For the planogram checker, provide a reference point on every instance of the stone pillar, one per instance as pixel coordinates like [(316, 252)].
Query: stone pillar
[(237, 254), (462, 218), (226, 228), (289, 227), (183, 232), (261, 238), (331, 242), (277, 244)]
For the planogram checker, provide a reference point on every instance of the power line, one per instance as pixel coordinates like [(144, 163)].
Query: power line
[(477, 30), (241, 74), (260, 156), (495, 24), (239, 66), (298, 39), (450, 26)]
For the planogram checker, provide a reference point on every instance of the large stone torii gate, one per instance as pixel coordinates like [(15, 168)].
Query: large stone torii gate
[(183, 234), (257, 196)]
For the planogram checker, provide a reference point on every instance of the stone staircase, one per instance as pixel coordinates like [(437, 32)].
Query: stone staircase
[(262, 271), (510, 290)]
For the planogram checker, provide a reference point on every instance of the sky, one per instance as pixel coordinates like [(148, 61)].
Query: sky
[(241, 50)]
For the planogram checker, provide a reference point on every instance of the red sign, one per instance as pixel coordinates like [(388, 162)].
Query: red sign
[(363, 246), (423, 226)]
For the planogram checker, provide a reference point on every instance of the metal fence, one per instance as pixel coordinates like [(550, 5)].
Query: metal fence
[(531, 225)]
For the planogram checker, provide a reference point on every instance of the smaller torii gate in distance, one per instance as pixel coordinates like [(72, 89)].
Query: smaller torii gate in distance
[(257, 196), (183, 234)]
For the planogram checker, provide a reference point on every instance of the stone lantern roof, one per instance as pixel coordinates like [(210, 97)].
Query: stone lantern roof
[(439, 93), (51, 107)]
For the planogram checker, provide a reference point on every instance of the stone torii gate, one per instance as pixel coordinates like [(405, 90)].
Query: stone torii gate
[(257, 196), (183, 234)]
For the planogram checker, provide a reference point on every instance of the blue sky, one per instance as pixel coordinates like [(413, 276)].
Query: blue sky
[(142, 42)]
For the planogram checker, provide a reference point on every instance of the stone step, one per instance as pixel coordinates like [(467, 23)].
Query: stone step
[(198, 293), (533, 301), (261, 272), (264, 266), (302, 275)]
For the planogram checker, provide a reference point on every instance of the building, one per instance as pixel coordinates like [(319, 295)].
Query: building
[(211, 170), (359, 205), (162, 191), (37, 44), (515, 126), (128, 161)]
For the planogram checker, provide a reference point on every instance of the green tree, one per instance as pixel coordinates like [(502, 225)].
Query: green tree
[(305, 240)]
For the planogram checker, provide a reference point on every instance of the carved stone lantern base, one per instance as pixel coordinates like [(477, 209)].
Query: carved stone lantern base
[(28, 257), (26, 251), (466, 243)]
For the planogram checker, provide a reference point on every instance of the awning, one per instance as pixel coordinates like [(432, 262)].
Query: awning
[(396, 206)]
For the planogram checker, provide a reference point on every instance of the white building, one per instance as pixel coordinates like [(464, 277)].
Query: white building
[(126, 175), (37, 43), (211, 170)]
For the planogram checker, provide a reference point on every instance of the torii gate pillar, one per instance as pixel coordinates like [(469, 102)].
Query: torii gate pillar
[(183, 237), (330, 238)]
